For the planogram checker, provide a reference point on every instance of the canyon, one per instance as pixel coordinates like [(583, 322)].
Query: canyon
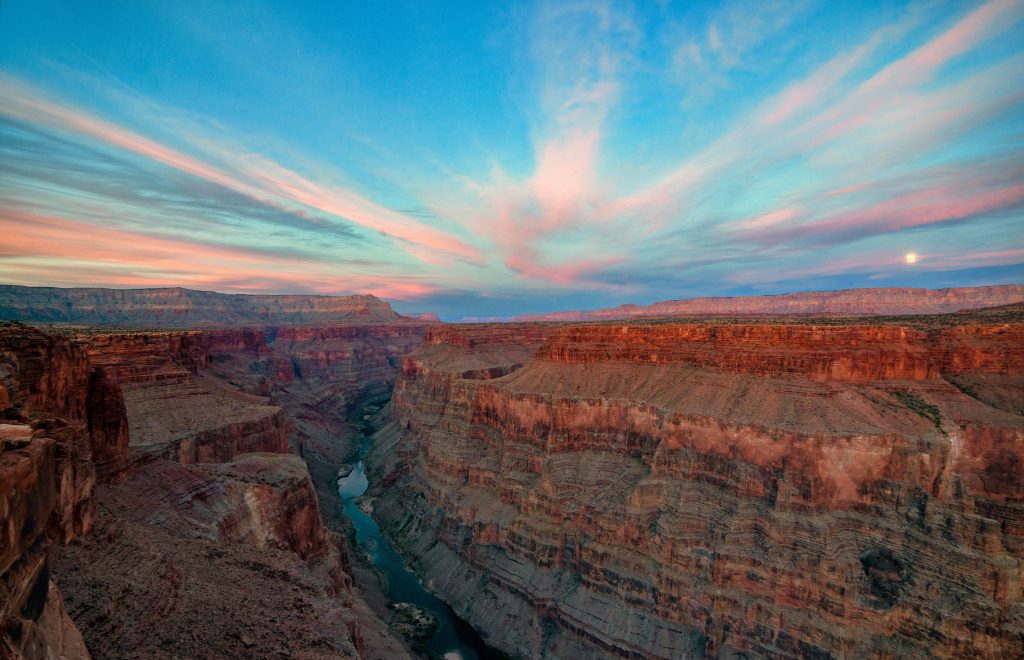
[(154, 479), (659, 488), (843, 302), (725, 488), (183, 308)]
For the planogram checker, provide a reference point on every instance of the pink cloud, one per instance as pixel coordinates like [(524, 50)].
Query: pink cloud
[(812, 90), (890, 87), (570, 272), (924, 207), (770, 219), (846, 190), (46, 250), (276, 185), (920, 65), (351, 206)]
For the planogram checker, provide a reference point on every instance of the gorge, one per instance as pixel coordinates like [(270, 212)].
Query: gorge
[(781, 486)]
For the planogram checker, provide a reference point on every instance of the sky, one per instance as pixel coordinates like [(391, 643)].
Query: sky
[(492, 159)]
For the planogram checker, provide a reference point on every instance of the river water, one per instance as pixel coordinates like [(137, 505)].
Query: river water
[(455, 639)]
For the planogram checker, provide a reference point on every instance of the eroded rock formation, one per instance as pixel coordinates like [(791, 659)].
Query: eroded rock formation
[(178, 546), (63, 427), (127, 473), (183, 308), (676, 490), (846, 302)]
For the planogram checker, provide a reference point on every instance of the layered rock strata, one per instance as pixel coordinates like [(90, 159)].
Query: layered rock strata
[(679, 490), (173, 409), (845, 302), (62, 428), (126, 473), (184, 308), (176, 546)]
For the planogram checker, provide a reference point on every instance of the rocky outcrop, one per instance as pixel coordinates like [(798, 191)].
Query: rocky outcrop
[(62, 428), (173, 410), (677, 490), (134, 357), (269, 503), (184, 308), (176, 546), (846, 302), (822, 353), (56, 390), (125, 473), (33, 621)]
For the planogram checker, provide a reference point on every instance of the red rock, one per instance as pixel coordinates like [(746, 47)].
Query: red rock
[(847, 302), (92, 399), (671, 490), (823, 353), (183, 308)]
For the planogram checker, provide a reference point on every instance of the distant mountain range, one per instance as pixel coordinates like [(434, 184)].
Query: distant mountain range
[(187, 308), (184, 308), (845, 302)]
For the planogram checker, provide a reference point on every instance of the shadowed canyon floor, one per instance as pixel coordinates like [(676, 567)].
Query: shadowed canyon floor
[(658, 488)]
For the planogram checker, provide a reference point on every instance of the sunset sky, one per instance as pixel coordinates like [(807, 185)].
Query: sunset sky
[(475, 158)]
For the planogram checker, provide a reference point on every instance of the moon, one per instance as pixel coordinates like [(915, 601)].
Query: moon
[(911, 257)]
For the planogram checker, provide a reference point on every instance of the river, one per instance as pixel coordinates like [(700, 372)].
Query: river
[(455, 639)]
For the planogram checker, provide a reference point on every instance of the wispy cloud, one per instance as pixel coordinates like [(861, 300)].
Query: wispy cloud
[(252, 175), (645, 152)]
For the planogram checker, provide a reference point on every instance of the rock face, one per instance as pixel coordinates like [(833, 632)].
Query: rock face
[(183, 308), (672, 490), (176, 412), (176, 546), (63, 427), (848, 302), (127, 473), (320, 377)]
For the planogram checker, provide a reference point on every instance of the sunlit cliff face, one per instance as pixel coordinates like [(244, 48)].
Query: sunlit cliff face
[(504, 161)]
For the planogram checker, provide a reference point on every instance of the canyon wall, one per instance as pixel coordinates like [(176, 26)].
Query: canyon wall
[(184, 308), (62, 429), (148, 473), (679, 490), (845, 302)]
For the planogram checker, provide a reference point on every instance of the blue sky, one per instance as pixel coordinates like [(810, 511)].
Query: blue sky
[(489, 159)]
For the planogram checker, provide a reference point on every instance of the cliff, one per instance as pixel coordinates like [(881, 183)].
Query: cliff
[(176, 546), (681, 489), (63, 427), (173, 410), (846, 302), (184, 308), (822, 353), (127, 478)]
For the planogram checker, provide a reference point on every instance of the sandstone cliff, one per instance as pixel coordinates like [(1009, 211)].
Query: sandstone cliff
[(126, 474), (63, 427), (174, 410), (847, 302), (178, 546), (675, 490), (183, 308)]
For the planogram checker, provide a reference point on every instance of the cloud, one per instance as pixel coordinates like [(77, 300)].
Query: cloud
[(36, 243), (930, 206), (254, 176), (886, 263), (606, 180)]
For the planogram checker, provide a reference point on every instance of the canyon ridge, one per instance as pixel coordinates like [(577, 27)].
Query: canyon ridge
[(831, 474)]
